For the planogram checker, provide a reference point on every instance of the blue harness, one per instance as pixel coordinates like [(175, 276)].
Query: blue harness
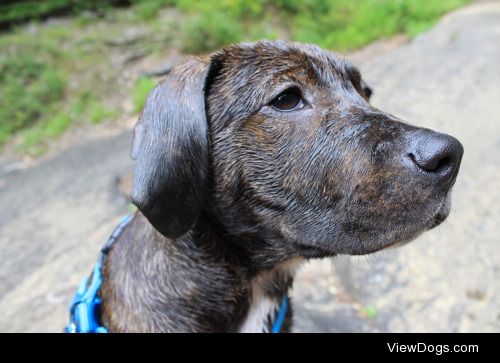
[(85, 309)]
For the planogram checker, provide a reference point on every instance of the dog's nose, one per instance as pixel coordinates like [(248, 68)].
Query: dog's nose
[(438, 155)]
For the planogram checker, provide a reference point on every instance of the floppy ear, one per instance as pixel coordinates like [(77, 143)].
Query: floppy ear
[(170, 145)]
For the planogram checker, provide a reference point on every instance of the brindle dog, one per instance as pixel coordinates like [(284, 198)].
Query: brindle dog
[(250, 161)]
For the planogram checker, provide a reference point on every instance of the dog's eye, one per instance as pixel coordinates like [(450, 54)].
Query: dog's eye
[(288, 100)]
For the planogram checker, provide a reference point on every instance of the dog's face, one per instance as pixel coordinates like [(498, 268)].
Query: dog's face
[(288, 148)]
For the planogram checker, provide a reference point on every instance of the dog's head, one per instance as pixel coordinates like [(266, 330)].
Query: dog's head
[(279, 139)]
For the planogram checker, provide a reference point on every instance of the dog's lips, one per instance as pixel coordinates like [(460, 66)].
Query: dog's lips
[(442, 212), (439, 217)]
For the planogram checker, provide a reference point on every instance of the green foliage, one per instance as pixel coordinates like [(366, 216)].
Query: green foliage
[(49, 81), (35, 139), (27, 87), (347, 24), (205, 33), (369, 312), (141, 90), (57, 125), (89, 107), (24, 10), (148, 9), (98, 112), (339, 24)]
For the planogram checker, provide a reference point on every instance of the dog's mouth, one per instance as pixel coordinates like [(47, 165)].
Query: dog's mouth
[(442, 212), (440, 218), (437, 218), (381, 237)]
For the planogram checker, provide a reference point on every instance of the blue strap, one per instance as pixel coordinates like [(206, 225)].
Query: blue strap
[(85, 308), (278, 323)]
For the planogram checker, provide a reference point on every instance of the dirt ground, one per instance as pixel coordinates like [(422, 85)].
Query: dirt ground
[(56, 214)]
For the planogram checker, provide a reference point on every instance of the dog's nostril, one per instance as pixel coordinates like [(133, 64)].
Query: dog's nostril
[(435, 164), (442, 164)]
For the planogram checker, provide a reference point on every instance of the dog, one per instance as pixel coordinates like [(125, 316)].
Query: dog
[(250, 161)]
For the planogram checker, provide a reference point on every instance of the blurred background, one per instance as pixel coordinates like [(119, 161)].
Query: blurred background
[(74, 75)]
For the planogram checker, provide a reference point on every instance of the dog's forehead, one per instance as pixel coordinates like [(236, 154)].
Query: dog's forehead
[(245, 75), (261, 62)]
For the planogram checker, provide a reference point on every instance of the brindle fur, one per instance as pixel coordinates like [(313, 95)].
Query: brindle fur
[(228, 187)]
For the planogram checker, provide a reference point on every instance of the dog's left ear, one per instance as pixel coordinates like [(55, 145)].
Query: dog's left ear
[(170, 146)]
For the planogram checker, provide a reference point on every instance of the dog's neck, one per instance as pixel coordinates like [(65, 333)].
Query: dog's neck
[(269, 273), (203, 281), (265, 296)]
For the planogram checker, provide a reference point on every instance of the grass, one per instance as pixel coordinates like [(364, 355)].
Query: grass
[(148, 9), (35, 139), (99, 113), (57, 74), (29, 87), (46, 82), (339, 24), (369, 312), (24, 10), (141, 91)]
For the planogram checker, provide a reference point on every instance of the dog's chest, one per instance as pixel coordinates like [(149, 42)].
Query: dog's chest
[(265, 297), (262, 312)]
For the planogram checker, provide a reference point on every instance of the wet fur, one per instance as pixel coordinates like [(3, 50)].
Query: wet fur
[(229, 188)]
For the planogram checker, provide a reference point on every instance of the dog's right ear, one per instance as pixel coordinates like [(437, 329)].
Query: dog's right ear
[(170, 146)]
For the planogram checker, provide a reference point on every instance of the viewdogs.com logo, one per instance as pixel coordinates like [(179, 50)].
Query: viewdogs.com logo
[(437, 349)]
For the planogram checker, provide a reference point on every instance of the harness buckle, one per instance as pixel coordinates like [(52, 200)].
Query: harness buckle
[(85, 308)]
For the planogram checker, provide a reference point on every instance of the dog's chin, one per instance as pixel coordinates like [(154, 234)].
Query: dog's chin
[(442, 213), (390, 239), (437, 218), (411, 233)]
